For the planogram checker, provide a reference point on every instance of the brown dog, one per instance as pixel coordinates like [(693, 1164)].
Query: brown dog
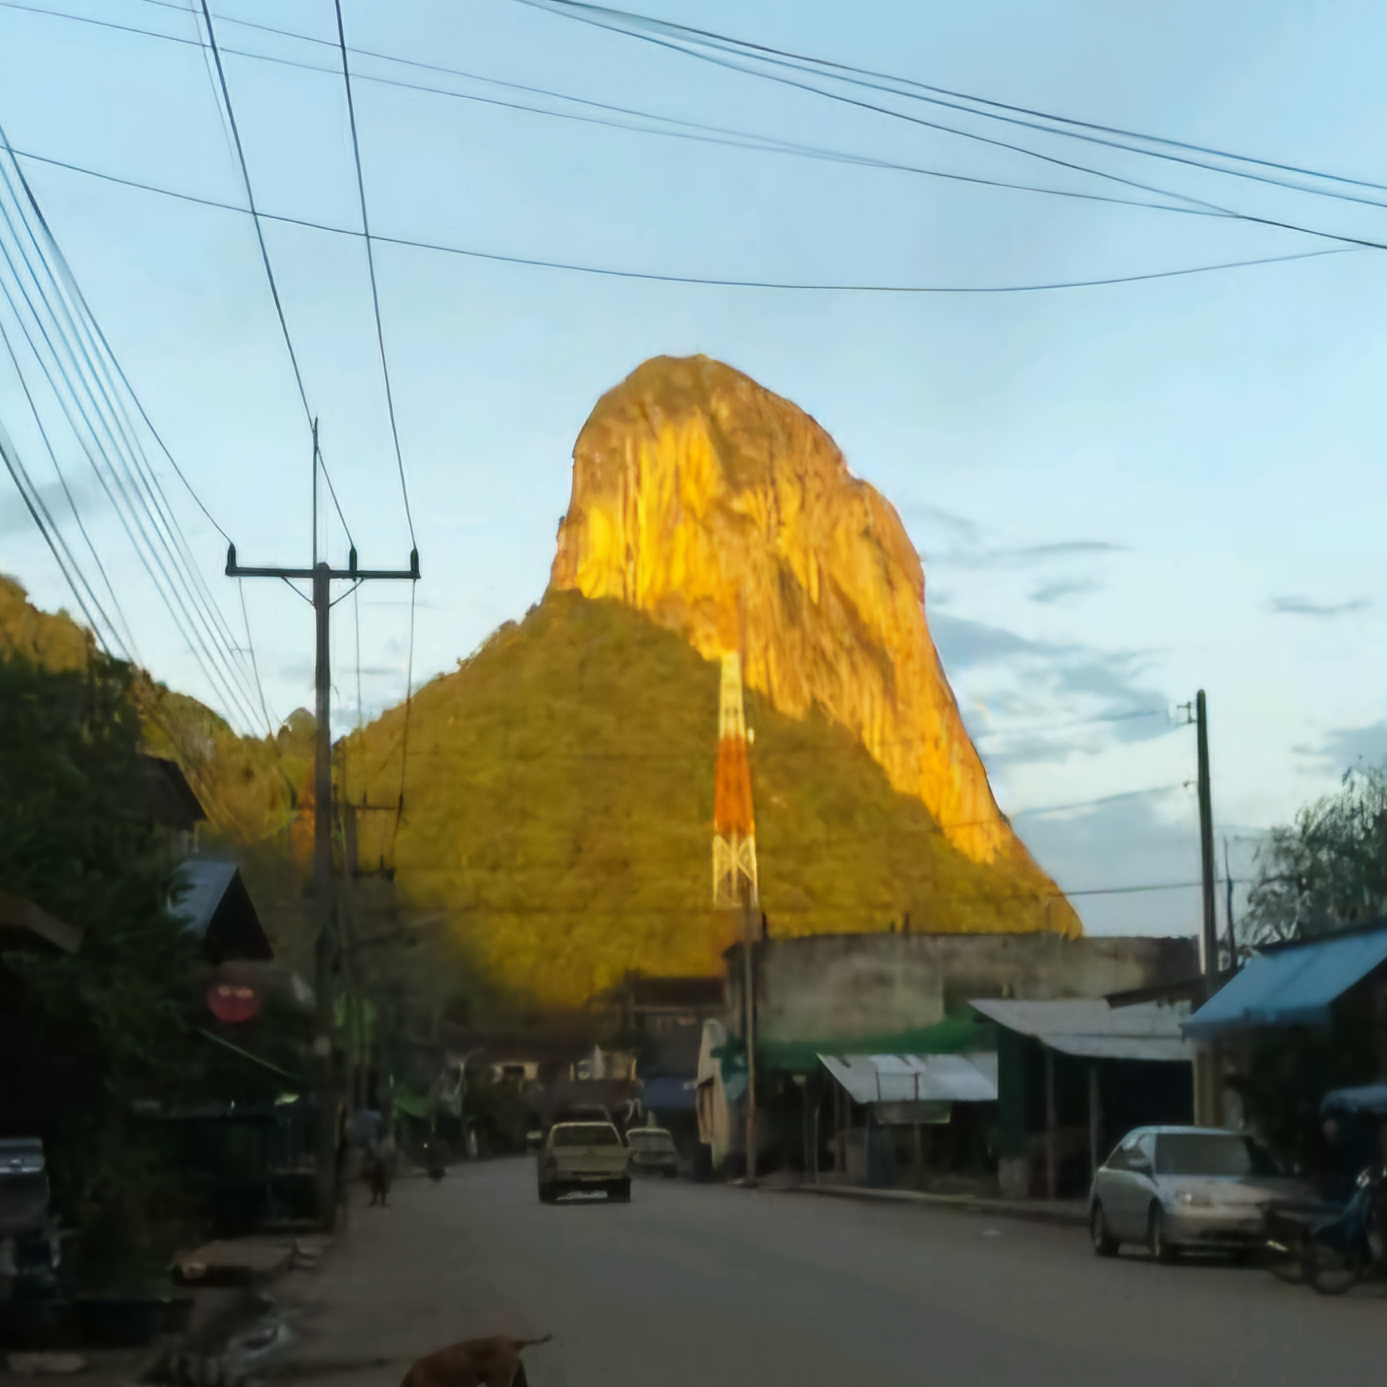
[(493, 1362), (378, 1181)]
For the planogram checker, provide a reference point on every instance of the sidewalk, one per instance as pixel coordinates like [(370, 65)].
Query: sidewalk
[(1073, 1212)]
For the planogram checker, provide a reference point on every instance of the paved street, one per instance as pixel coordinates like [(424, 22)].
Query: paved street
[(696, 1284)]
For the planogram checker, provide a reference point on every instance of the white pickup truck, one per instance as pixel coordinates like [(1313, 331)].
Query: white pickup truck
[(583, 1156)]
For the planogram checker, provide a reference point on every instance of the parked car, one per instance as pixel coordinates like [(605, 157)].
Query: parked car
[(583, 1156), (581, 1112), (652, 1152), (29, 1244), (23, 1186), (1173, 1189)]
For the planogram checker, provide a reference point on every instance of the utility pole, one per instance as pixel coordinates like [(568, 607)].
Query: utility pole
[(322, 576), (1208, 1065), (1206, 848), (1232, 932)]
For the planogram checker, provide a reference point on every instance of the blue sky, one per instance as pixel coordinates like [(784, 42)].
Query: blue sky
[(1121, 494)]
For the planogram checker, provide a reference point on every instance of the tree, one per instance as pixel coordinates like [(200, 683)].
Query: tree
[(72, 840), (1326, 870)]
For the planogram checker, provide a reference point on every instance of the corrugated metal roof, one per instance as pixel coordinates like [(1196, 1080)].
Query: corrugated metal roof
[(916, 1078), (1091, 1029), (1291, 986), (198, 887), (209, 899)]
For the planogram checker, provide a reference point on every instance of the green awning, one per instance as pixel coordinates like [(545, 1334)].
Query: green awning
[(954, 1035)]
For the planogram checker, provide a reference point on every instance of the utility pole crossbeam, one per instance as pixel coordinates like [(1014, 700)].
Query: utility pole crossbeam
[(322, 576)]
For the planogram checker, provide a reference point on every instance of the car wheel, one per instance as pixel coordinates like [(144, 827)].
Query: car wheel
[(621, 1191), (546, 1192), (1161, 1248), (1104, 1244)]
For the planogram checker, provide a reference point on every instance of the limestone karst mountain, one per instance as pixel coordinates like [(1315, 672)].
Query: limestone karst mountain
[(730, 516), (555, 805)]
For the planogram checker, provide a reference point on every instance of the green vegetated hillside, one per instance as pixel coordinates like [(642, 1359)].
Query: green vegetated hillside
[(558, 807), (557, 810), (249, 786)]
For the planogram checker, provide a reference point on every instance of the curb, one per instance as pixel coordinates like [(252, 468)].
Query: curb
[(998, 1208)]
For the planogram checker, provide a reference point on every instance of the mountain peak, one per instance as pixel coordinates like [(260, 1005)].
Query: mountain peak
[(729, 515)]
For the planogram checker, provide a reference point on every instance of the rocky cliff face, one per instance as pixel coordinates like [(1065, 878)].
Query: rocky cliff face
[(727, 514)]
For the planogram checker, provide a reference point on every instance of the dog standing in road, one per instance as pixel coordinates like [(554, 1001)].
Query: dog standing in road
[(493, 1362), (378, 1181)]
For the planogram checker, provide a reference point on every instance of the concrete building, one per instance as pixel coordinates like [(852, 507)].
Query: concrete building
[(895, 998), (840, 988)]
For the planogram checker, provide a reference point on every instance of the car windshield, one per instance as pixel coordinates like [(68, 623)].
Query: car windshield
[(1211, 1153), (653, 1141), (586, 1134)]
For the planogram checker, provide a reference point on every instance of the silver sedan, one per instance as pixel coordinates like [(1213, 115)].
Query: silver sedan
[(1172, 1189)]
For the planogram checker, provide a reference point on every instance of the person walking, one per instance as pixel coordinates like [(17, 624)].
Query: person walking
[(368, 1130)]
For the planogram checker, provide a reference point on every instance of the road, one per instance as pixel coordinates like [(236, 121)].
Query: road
[(692, 1284)]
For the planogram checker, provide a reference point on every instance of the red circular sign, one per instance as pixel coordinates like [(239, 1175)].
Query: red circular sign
[(232, 1002)]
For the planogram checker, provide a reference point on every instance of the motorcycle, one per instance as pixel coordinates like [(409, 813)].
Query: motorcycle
[(1333, 1248), (1339, 1250)]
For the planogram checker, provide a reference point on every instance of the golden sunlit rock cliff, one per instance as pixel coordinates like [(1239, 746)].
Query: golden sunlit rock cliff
[(728, 515)]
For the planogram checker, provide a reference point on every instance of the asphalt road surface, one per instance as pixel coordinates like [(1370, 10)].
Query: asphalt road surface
[(697, 1284)]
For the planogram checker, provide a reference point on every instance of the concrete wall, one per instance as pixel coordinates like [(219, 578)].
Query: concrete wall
[(862, 985)]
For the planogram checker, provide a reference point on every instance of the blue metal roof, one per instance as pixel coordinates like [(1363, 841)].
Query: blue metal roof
[(1368, 1098), (1290, 987)]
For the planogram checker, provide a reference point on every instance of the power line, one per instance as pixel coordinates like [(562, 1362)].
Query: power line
[(371, 266), (52, 536), (270, 720), (80, 376), (572, 267), (1022, 116), (264, 250), (765, 144), (950, 129), (687, 130), (830, 67), (114, 361), (136, 486), (124, 640), (1061, 726), (71, 374), (1130, 890), (589, 17), (825, 907), (144, 480), (1196, 205)]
